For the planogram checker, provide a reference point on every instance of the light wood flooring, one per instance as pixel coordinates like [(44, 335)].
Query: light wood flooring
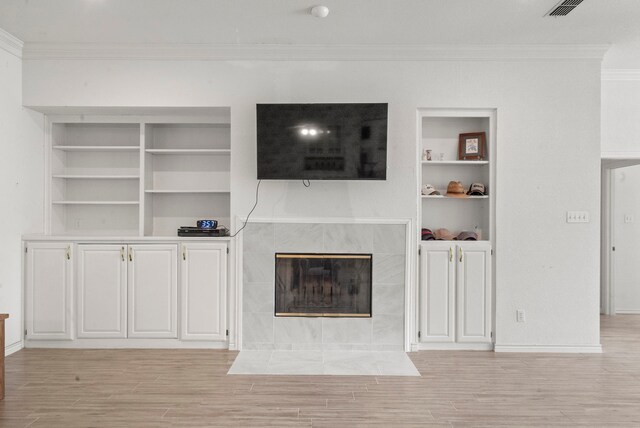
[(190, 388)]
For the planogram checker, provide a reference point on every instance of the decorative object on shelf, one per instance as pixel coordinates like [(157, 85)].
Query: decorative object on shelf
[(207, 224), (440, 156), (427, 235), (426, 155), (444, 235), (198, 232), (455, 189), (467, 236), (477, 189), (471, 146), (429, 190)]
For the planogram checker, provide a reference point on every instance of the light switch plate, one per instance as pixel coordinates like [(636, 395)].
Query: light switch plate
[(628, 218), (578, 217)]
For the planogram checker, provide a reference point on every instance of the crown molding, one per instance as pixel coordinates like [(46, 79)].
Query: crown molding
[(10, 43), (266, 52), (621, 75)]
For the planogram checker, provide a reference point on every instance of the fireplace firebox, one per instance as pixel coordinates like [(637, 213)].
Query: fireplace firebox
[(323, 285)]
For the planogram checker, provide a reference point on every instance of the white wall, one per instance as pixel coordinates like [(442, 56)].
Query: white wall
[(626, 239), (548, 156), (621, 112), (21, 187)]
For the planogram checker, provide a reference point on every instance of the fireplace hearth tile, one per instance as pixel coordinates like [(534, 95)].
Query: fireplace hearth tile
[(347, 363), (346, 330)]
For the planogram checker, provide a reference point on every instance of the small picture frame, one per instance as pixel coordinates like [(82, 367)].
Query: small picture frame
[(472, 146)]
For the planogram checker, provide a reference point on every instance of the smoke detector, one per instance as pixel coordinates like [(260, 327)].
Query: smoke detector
[(320, 11), (564, 7)]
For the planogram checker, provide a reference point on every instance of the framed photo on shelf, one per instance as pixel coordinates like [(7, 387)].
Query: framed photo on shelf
[(472, 146)]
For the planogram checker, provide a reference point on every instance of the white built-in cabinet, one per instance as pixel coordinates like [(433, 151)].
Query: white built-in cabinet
[(152, 291), (127, 291), (455, 292), (455, 284), (48, 288), (204, 279), (102, 291)]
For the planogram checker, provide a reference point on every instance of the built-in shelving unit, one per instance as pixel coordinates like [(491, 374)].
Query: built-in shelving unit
[(439, 132), (187, 175), (138, 175)]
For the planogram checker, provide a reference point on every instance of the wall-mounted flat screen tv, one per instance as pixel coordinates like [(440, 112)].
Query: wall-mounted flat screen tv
[(322, 141)]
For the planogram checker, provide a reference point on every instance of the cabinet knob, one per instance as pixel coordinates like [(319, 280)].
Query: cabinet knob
[(460, 254), (122, 253), (130, 255), (450, 254), (68, 252)]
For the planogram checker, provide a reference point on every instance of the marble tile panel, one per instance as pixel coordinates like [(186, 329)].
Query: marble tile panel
[(388, 329), (257, 328), (258, 297), (388, 268), (299, 238), (389, 238), (348, 238), (258, 267), (395, 364), (388, 299), (250, 362), (259, 238), (346, 330), (298, 330), (349, 363)]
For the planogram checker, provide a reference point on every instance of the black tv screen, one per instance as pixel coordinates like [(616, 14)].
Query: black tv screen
[(322, 141)]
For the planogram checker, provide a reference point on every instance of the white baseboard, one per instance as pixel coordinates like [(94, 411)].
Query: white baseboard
[(564, 349), (14, 347), (627, 311), (455, 346), (124, 344)]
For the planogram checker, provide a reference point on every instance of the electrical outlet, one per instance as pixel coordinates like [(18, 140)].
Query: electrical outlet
[(578, 217), (628, 218), (520, 315)]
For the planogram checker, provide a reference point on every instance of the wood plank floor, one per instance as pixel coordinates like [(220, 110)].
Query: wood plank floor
[(190, 388)]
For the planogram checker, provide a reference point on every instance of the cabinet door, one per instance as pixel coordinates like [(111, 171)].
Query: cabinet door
[(437, 292), (153, 291), (102, 291), (204, 286), (49, 281), (474, 292)]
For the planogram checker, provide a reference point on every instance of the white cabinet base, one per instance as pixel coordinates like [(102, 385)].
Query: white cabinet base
[(126, 343)]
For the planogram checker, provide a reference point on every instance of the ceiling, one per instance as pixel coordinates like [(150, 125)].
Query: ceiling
[(371, 22)]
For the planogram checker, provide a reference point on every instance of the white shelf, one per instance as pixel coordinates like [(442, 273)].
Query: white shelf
[(456, 162), (97, 148), (96, 177), (187, 191), (452, 197), (95, 202), (220, 152)]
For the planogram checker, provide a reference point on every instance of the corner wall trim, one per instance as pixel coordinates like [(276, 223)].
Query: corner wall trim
[(281, 52), (15, 347), (10, 43), (561, 349)]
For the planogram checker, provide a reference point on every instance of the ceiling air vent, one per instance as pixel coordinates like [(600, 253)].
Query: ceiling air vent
[(564, 7)]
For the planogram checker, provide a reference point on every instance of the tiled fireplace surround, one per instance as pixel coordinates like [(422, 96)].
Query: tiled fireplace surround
[(382, 332)]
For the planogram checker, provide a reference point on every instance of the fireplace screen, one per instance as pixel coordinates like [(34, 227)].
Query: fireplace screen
[(323, 285)]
